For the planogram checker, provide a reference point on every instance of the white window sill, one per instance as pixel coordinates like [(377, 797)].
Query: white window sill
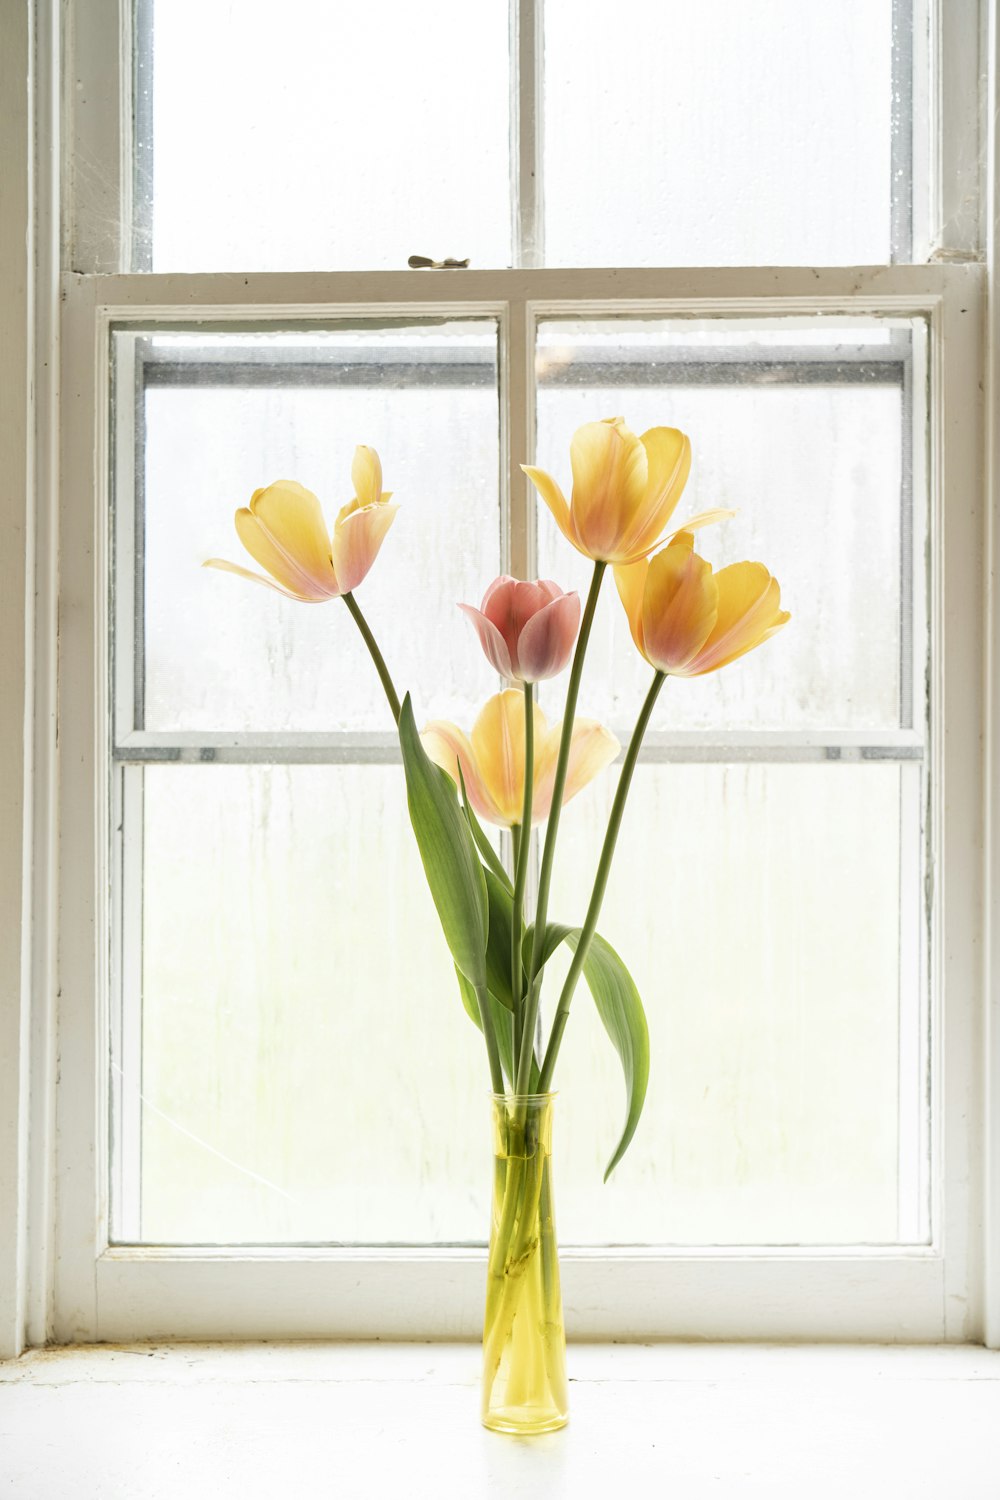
[(376, 1422)]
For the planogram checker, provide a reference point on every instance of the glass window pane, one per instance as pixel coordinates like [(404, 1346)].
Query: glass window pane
[(312, 136), (721, 133), (223, 416), (809, 430)]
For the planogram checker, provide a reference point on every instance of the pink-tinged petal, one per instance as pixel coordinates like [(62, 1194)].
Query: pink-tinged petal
[(546, 642), (668, 456), (749, 613), (492, 642), (630, 581), (498, 604), (556, 502), (496, 587), (356, 541), (610, 474), (282, 565), (228, 567), (592, 748), (449, 748), (292, 519), (366, 475), (680, 604)]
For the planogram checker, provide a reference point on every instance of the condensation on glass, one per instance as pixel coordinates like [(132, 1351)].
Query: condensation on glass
[(290, 1052)]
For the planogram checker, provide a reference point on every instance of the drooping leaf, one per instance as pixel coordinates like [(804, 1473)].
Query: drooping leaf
[(620, 1009), (448, 853)]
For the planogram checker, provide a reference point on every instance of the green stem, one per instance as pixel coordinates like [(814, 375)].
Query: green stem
[(522, 843), (600, 884), (376, 655), (552, 830)]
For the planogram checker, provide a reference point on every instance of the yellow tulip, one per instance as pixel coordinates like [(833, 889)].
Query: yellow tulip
[(625, 489), (492, 758), (283, 529), (687, 620)]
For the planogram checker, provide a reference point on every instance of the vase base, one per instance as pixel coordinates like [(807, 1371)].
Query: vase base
[(522, 1423)]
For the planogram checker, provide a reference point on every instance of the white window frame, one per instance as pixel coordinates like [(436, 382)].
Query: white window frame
[(68, 1283)]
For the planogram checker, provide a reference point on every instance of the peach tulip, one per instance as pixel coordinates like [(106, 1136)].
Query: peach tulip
[(687, 620), (283, 529), (625, 489), (527, 630), (492, 758)]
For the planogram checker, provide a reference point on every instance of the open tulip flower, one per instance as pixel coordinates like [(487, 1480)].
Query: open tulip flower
[(283, 529), (687, 620), (625, 489), (527, 630), (492, 758)]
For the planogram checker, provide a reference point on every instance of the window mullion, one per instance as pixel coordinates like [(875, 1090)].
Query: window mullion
[(526, 56)]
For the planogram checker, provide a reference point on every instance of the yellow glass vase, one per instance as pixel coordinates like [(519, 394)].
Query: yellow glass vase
[(524, 1342)]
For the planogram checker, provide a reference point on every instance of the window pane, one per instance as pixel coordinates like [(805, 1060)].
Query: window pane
[(722, 133), (225, 415), (305, 1056), (311, 136), (806, 428)]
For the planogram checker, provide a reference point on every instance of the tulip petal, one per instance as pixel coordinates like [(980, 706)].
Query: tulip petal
[(449, 748), (592, 748), (545, 643), (356, 541), (498, 745), (630, 580), (366, 475), (269, 583), (279, 562), (693, 523), (292, 518), (749, 612), (556, 502), (668, 455), (493, 644), (610, 474), (680, 604)]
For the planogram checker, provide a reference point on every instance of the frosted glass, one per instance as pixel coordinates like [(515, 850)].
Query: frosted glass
[(720, 133), (224, 654), (306, 1057), (818, 473), (311, 136)]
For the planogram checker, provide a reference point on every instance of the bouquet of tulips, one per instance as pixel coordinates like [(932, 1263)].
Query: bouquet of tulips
[(515, 772)]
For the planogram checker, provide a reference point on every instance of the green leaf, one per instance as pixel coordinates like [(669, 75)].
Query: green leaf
[(502, 1027), (620, 1009), (486, 849), (452, 867), (498, 976)]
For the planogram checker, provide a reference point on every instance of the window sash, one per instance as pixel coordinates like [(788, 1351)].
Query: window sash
[(924, 1292)]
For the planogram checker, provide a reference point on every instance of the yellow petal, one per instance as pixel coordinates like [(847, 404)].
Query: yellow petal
[(366, 475), (357, 538), (279, 562), (555, 500), (679, 605), (498, 746), (749, 612), (668, 455), (610, 473), (228, 567), (630, 580), (449, 748), (591, 749), (292, 519)]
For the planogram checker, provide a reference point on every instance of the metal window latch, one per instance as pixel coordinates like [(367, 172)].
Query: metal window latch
[(422, 262)]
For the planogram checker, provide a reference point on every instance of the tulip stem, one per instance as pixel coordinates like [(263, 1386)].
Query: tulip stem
[(600, 884), (551, 832), (522, 842), (376, 655)]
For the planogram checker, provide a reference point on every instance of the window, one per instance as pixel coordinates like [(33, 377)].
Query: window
[(258, 1010)]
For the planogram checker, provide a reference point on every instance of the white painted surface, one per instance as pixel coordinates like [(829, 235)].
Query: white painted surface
[(373, 1421)]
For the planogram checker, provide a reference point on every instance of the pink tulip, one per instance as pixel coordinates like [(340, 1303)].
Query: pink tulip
[(527, 630)]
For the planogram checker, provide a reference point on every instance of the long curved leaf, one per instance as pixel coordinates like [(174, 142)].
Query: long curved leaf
[(502, 1027), (501, 916), (490, 856), (620, 1009), (450, 861)]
